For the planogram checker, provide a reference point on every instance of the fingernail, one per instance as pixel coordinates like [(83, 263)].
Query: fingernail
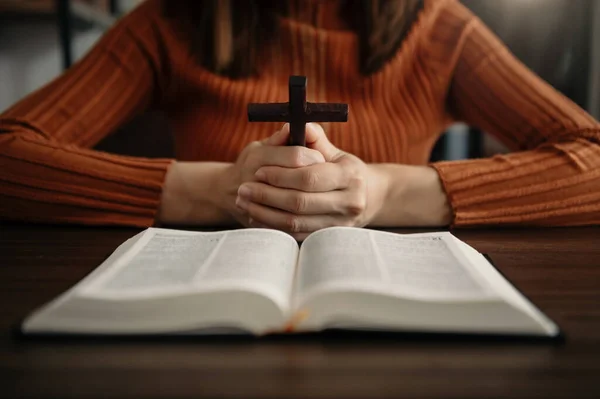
[(241, 203), (244, 192), (260, 175)]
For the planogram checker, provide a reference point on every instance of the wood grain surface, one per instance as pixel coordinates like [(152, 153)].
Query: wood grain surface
[(558, 269)]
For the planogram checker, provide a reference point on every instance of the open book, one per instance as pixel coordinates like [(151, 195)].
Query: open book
[(259, 281)]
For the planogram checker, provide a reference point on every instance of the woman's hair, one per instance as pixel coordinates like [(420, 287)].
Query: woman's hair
[(227, 33)]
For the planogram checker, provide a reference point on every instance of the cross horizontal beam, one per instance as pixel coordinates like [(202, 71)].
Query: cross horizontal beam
[(298, 111), (315, 112)]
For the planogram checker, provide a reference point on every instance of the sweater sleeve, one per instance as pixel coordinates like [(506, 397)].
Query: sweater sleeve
[(553, 175), (49, 173)]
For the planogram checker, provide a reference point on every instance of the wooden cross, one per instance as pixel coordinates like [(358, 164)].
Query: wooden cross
[(297, 111)]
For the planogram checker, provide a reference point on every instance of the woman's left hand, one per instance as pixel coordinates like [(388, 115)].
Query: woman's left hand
[(343, 191)]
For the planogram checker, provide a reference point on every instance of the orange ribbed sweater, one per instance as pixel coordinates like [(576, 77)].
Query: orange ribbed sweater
[(449, 68)]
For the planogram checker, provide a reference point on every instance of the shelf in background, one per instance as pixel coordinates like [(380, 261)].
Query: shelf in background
[(84, 13)]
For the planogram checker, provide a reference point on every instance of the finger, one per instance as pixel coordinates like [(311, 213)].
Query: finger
[(287, 157), (297, 236), (286, 221), (317, 139), (254, 223), (298, 202), (320, 177), (278, 138)]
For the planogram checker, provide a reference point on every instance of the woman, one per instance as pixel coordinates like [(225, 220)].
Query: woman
[(406, 68)]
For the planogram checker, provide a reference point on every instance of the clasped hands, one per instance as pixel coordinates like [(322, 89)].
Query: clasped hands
[(303, 189)]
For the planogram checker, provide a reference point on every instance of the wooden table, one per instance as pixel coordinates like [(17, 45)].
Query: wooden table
[(559, 269)]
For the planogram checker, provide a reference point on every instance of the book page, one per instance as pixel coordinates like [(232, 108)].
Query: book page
[(421, 265), (165, 261), (337, 255), (425, 266), (264, 256)]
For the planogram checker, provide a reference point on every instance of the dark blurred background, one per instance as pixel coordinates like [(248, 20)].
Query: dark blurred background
[(558, 39)]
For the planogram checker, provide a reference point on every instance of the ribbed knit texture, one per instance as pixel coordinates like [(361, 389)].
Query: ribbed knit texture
[(449, 68)]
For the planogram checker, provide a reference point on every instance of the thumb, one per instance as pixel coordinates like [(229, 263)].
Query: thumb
[(317, 140), (278, 138)]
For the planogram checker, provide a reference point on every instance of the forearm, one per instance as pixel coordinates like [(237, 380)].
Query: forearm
[(555, 185), (49, 182), (412, 196), (194, 194)]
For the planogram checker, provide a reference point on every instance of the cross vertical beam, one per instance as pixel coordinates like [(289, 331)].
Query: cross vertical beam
[(298, 111), (297, 90)]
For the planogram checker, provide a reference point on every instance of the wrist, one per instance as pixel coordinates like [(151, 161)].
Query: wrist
[(424, 199), (191, 194), (380, 193), (414, 196)]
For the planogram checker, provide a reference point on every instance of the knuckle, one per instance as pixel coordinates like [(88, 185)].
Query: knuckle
[(292, 224), (297, 157), (348, 223), (271, 177), (254, 144), (357, 180), (255, 153), (252, 158), (309, 180), (356, 206), (299, 203), (253, 147), (258, 195)]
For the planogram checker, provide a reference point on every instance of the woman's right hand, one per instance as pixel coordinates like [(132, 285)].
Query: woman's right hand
[(204, 193), (271, 151)]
